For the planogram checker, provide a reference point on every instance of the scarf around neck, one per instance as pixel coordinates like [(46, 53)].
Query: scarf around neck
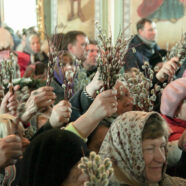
[(149, 43)]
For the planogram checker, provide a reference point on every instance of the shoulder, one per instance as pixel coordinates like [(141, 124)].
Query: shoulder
[(172, 181), (135, 40)]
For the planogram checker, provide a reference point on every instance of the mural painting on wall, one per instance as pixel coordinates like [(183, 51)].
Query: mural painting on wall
[(159, 10), (169, 15), (77, 15)]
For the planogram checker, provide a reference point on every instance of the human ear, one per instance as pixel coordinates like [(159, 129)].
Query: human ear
[(69, 47)]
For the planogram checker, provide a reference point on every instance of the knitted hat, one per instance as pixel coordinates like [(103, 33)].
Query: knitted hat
[(173, 94), (6, 40), (50, 157)]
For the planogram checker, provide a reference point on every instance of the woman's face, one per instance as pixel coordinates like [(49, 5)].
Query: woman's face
[(35, 44), (154, 157)]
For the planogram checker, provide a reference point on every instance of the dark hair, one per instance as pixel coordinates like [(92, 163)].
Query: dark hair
[(71, 37), (140, 24), (93, 42), (155, 127), (30, 71), (50, 157)]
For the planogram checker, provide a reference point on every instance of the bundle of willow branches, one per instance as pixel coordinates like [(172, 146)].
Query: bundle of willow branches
[(110, 60), (141, 88), (7, 71), (98, 171)]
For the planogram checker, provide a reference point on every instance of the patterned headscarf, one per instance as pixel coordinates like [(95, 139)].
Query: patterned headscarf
[(123, 144)]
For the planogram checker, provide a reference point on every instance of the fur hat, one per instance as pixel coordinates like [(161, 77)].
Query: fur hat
[(6, 40), (173, 94)]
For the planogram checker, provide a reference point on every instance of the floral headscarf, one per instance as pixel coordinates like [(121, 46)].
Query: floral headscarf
[(123, 144)]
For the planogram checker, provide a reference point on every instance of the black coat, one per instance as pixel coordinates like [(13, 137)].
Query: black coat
[(142, 53)]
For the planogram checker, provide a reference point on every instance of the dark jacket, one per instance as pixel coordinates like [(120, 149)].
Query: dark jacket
[(142, 53), (80, 102), (181, 72), (58, 90)]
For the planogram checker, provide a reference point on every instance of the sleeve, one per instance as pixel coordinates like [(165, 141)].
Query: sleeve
[(70, 127), (80, 103), (130, 60)]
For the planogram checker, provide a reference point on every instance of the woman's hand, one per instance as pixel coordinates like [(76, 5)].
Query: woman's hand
[(38, 100), (61, 114), (9, 103), (94, 85)]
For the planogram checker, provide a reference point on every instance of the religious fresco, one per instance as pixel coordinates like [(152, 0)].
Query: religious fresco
[(76, 15), (158, 10), (169, 16)]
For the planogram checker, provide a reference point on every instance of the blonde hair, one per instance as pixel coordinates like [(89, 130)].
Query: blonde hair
[(8, 124)]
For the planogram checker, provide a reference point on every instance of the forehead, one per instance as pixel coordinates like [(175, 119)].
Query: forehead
[(92, 47), (34, 39), (155, 141), (148, 25), (81, 39)]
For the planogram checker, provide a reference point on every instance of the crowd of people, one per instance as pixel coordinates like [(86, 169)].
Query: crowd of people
[(46, 128)]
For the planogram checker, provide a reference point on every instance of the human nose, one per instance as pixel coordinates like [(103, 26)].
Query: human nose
[(160, 155)]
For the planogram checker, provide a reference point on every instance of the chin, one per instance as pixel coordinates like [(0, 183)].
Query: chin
[(154, 178)]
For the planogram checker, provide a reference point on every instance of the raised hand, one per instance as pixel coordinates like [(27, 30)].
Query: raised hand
[(10, 150), (9, 103), (38, 100), (60, 114), (105, 104), (168, 69), (94, 85)]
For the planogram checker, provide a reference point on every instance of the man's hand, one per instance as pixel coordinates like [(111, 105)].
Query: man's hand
[(168, 69), (60, 114), (10, 150), (38, 100)]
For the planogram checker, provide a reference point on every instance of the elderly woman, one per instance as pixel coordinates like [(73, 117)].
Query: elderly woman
[(137, 145)]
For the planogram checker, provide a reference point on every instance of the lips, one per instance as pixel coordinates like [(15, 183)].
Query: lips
[(156, 168)]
